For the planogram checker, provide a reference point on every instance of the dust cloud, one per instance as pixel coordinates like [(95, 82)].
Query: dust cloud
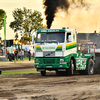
[(82, 15)]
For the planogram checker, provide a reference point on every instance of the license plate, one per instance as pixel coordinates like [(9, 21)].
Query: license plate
[(40, 69), (49, 66), (61, 69)]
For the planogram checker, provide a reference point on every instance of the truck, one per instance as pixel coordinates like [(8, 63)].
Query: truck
[(56, 50)]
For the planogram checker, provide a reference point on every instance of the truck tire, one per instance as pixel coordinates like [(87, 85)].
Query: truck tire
[(70, 70), (57, 72), (90, 67), (43, 73)]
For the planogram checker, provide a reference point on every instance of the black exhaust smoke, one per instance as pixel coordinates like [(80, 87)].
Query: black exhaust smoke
[(51, 7)]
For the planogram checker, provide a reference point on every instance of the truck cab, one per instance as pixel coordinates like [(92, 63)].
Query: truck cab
[(55, 42)]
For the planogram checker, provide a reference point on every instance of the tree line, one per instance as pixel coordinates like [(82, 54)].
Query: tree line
[(25, 22)]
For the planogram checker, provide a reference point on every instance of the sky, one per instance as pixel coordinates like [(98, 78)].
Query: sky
[(10, 5), (85, 19)]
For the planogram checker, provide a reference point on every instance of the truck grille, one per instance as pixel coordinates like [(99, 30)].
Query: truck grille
[(49, 61), (49, 54)]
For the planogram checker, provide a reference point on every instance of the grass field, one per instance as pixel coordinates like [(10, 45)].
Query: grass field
[(19, 61), (18, 72), (32, 58)]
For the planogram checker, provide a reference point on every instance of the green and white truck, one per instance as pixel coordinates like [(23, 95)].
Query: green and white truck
[(56, 50)]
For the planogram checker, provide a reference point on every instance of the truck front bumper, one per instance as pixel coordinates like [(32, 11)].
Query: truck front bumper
[(44, 66), (51, 63)]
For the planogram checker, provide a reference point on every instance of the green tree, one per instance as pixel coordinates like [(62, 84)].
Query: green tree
[(26, 21), (26, 37), (1, 18)]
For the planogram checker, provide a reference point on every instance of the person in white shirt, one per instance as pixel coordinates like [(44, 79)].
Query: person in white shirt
[(22, 54)]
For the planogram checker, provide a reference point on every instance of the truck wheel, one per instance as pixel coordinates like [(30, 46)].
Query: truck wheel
[(90, 67), (57, 72), (70, 70), (43, 73)]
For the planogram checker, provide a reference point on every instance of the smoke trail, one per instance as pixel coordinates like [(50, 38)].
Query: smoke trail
[(52, 7)]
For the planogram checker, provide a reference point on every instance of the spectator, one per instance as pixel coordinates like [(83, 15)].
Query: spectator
[(22, 54), (4, 52), (9, 56), (29, 55), (16, 54)]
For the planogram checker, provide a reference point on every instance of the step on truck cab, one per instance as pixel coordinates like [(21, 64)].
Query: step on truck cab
[(56, 50)]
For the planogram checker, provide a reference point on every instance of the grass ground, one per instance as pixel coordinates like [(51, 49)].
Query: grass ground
[(26, 61), (22, 62), (18, 72)]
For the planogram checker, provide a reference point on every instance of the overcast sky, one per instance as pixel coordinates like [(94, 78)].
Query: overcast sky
[(82, 18), (10, 5)]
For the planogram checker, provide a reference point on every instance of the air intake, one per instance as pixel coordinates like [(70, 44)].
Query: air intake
[(63, 28)]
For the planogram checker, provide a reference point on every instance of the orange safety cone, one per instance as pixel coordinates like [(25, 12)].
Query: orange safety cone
[(15, 60)]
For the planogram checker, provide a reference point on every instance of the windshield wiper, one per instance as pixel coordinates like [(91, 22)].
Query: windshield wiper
[(51, 41), (55, 41)]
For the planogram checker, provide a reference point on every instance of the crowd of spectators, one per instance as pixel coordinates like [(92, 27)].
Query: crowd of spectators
[(17, 54)]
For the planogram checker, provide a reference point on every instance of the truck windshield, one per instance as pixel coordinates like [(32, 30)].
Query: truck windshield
[(50, 37)]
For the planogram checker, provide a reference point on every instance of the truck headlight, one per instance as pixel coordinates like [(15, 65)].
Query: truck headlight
[(61, 60), (37, 60)]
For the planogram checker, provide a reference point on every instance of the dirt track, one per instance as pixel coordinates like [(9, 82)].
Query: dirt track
[(33, 86)]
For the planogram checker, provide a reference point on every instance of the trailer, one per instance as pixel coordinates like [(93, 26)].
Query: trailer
[(56, 50)]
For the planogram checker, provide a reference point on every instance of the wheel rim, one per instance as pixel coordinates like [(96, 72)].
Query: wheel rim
[(91, 68), (72, 66)]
